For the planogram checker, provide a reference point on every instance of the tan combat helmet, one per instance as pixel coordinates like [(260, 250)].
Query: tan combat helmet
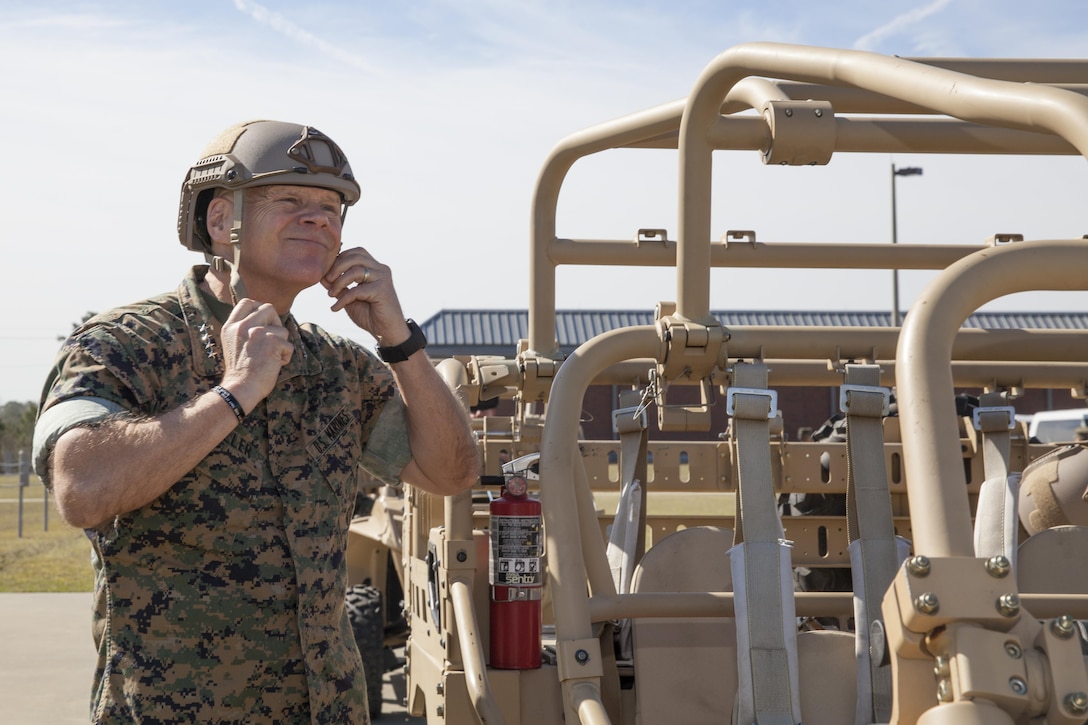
[(258, 153), (1054, 490)]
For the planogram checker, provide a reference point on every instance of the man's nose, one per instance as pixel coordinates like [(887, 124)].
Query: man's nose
[(312, 213)]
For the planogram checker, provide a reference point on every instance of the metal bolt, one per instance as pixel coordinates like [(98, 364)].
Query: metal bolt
[(944, 691), (941, 668), (440, 711), (819, 112), (1077, 702), (998, 566), (1062, 627), (789, 112), (1018, 686), (462, 556), (1008, 605), (918, 566), (1012, 649), (927, 603), (439, 688), (581, 656)]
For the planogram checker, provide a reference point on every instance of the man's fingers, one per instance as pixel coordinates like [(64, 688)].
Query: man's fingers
[(348, 295), (348, 258), (244, 308), (254, 313), (254, 331), (366, 276)]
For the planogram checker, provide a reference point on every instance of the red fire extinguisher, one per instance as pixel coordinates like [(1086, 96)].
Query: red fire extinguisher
[(517, 581)]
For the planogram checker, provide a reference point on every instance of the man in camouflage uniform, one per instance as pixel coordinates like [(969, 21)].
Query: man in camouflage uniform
[(208, 444)]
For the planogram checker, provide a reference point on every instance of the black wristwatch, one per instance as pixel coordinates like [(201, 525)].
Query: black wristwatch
[(399, 353)]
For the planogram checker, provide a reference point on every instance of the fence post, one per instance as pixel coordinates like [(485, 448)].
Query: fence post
[(24, 481)]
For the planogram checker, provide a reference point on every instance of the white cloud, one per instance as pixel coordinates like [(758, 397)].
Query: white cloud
[(899, 24), (285, 27)]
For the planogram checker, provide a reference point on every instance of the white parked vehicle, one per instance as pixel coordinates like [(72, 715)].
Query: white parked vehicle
[(1054, 426)]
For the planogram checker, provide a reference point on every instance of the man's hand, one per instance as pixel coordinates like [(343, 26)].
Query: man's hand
[(444, 459), (363, 287), (127, 462), (255, 347)]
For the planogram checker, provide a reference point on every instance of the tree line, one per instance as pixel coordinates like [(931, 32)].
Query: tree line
[(17, 420), (16, 429)]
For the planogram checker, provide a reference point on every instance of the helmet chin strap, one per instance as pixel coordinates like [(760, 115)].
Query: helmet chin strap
[(237, 286)]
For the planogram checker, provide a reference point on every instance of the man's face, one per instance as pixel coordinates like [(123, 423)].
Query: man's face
[(290, 237)]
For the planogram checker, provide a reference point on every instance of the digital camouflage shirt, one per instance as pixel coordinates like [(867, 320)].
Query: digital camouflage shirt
[(223, 599)]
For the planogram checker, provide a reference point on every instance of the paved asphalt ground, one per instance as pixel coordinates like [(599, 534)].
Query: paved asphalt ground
[(47, 661)]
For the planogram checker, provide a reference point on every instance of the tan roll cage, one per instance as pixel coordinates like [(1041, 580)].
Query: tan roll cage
[(809, 103)]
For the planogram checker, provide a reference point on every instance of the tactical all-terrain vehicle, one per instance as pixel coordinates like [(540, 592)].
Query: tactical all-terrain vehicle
[(660, 581)]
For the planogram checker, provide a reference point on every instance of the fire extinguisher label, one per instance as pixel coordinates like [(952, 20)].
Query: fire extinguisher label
[(516, 548)]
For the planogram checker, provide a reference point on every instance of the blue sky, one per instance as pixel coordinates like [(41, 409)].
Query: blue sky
[(447, 109)]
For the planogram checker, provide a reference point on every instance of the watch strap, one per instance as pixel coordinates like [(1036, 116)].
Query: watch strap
[(399, 353)]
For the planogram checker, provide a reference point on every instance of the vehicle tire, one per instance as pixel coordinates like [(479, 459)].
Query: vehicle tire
[(364, 605)]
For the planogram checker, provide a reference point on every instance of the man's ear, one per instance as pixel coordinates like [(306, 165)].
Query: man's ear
[(220, 217)]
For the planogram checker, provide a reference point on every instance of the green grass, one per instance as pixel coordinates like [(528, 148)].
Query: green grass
[(53, 560)]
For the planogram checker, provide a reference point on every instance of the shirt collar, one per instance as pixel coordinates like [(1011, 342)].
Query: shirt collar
[(205, 316)]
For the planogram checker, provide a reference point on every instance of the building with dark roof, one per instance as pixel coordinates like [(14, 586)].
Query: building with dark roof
[(496, 332)]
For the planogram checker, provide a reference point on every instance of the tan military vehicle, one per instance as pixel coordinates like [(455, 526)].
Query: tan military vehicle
[(375, 597), (646, 580)]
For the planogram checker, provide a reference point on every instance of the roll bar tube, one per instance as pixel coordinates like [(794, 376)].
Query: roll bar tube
[(936, 486), (963, 96)]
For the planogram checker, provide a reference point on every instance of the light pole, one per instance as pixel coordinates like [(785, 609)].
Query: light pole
[(905, 171)]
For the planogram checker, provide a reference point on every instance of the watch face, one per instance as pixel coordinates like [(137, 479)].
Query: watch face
[(517, 485)]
